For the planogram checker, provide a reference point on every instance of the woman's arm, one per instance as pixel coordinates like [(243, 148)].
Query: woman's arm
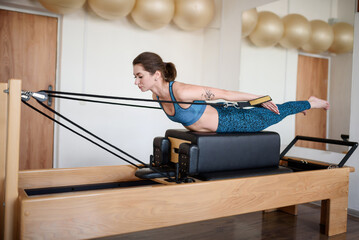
[(189, 92)]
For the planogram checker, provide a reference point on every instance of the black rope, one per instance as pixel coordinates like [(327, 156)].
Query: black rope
[(90, 133), (95, 101), (79, 134), (88, 139), (50, 93)]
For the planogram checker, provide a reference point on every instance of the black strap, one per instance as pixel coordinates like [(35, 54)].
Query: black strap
[(57, 94)]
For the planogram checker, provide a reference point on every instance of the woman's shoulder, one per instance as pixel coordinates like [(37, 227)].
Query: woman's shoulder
[(179, 89), (180, 86), (184, 91)]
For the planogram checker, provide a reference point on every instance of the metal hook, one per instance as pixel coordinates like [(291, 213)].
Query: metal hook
[(40, 96), (231, 104), (25, 95)]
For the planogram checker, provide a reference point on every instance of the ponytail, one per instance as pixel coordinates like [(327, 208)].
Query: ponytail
[(170, 72)]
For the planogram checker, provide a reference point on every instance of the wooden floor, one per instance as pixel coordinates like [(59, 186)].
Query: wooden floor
[(272, 225)]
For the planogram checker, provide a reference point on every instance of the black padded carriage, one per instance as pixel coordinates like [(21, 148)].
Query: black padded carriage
[(210, 156)]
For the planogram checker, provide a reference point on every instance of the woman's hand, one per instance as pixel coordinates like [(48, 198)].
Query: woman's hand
[(271, 106)]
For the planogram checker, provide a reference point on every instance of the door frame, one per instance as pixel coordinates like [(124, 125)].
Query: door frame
[(328, 57), (34, 11)]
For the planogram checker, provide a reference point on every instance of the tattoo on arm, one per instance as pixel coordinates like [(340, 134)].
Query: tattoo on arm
[(208, 95)]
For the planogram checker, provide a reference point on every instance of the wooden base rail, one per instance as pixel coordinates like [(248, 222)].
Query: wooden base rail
[(102, 213)]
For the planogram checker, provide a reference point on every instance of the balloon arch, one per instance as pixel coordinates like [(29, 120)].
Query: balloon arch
[(264, 29), (148, 14)]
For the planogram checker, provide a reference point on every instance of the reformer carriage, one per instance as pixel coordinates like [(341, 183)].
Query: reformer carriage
[(219, 174)]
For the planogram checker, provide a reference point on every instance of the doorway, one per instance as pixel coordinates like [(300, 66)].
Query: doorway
[(312, 80), (28, 50)]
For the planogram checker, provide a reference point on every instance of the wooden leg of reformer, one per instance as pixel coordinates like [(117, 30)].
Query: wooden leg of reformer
[(12, 160), (3, 128), (334, 216), (293, 210)]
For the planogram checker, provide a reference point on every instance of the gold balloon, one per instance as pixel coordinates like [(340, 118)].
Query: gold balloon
[(321, 38), (62, 6), (268, 31), (153, 14), (297, 31), (249, 21), (112, 9), (193, 14), (343, 38)]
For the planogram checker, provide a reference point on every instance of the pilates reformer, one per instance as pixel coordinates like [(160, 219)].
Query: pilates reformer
[(95, 202)]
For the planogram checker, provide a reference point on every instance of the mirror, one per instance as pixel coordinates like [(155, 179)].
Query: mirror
[(278, 71)]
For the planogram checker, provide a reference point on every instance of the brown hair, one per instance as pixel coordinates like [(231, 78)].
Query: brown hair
[(151, 62)]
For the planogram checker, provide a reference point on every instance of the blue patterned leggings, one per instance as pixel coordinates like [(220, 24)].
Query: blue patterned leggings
[(255, 119)]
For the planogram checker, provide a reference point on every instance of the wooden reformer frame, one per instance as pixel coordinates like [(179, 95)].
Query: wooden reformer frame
[(99, 213)]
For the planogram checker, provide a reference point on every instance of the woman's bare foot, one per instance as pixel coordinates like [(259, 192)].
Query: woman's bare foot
[(318, 103)]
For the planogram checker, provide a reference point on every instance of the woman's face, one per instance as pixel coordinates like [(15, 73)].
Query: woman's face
[(143, 79)]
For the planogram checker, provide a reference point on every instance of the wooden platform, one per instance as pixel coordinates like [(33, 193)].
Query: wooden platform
[(116, 211)]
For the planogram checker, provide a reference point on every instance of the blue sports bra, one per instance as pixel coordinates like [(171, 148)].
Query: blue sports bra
[(185, 116)]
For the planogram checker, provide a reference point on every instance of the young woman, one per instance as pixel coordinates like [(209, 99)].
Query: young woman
[(151, 73)]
